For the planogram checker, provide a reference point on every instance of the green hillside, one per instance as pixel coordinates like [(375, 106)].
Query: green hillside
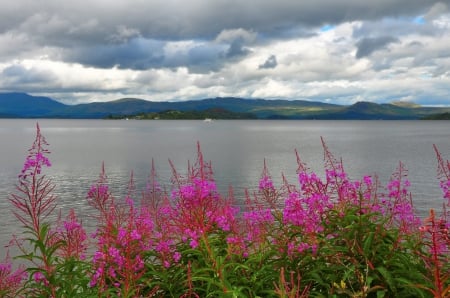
[(21, 105)]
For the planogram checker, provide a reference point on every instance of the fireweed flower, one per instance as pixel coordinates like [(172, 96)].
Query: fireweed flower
[(265, 183), (237, 246), (38, 277), (163, 245), (306, 212), (199, 209), (177, 256), (10, 281), (258, 223), (98, 190), (135, 235), (436, 231), (122, 240), (445, 187), (398, 204), (36, 158), (227, 221), (35, 163), (34, 201), (117, 258), (100, 197), (74, 237), (310, 182)]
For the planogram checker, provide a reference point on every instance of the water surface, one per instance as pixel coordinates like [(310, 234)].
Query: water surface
[(237, 150)]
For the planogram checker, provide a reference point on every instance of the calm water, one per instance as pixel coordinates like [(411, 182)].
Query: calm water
[(237, 150)]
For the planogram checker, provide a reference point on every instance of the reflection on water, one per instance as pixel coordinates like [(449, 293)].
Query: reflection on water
[(237, 150)]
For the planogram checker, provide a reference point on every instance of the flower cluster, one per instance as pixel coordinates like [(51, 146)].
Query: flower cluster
[(199, 209), (74, 237), (122, 242), (10, 280), (35, 163), (325, 235)]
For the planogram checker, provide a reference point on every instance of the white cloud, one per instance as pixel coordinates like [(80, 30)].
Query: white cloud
[(274, 89)]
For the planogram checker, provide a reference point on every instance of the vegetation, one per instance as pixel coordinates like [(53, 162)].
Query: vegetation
[(213, 113), (325, 237), (441, 116)]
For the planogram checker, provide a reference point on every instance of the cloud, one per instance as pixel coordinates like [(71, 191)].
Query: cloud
[(19, 75), (231, 35), (271, 62), (131, 51), (237, 39), (137, 54), (124, 34), (170, 50), (200, 19), (436, 11), (367, 46)]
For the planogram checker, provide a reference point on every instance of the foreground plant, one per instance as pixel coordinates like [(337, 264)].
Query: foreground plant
[(435, 235), (10, 280), (325, 236), (54, 269), (123, 237)]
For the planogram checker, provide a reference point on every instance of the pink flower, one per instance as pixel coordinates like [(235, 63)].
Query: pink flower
[(193, 243), (112, 272), (33, 164), (115, 254), (265, 183), (74, 237), (10, 281), (177, 256), (135, 235), (40, 278)]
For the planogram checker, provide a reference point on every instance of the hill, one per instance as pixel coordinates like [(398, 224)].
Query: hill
[(211, 113), (440, 116), (21, 105), (373, 111)]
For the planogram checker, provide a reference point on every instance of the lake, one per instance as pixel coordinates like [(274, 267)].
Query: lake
[(237, 150)]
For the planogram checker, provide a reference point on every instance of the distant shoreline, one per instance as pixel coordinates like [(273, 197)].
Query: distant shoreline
[(21, 105)]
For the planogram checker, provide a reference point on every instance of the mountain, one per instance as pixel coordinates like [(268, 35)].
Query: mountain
[(265, 109), (125, 106), (373, 111), (21, 105)]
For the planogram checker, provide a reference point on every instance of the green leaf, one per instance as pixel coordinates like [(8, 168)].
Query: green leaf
[(367, 246), (387, 276)]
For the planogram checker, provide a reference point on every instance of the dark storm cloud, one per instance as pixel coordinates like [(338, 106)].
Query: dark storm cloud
[(271, 62), (137, 54), (367, 46), (142, 54), (237, 49), (131, 34), (201, 58), (198, 19)]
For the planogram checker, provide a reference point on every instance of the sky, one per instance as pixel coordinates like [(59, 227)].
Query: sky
[(334, 51)]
